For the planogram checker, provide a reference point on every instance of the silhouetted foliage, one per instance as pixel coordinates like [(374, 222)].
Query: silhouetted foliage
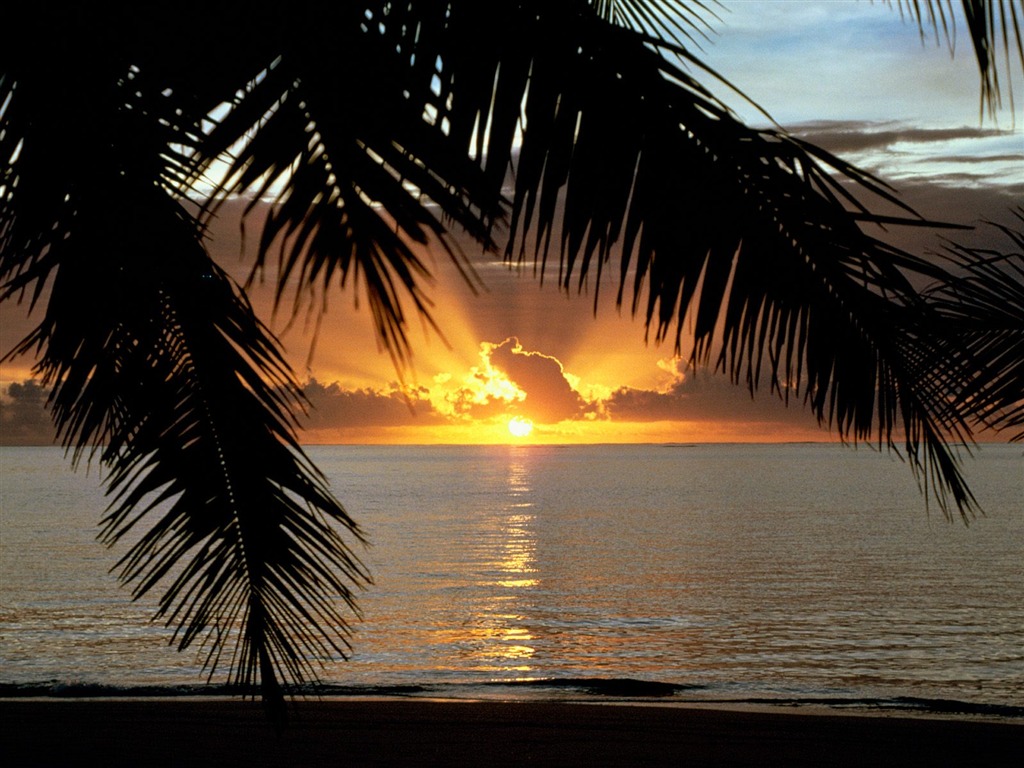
[(982, 328), (373, 127)]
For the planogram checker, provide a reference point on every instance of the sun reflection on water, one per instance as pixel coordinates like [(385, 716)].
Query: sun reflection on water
[(498, 639)]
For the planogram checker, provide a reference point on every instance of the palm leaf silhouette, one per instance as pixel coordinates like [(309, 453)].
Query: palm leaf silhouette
[(158, 363), (982, 311), (992, 25), (374, 128)]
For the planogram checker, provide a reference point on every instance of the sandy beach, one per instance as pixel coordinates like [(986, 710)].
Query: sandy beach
[(407, 732)]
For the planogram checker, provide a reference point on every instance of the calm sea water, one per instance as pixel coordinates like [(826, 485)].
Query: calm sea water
[(789, 573)]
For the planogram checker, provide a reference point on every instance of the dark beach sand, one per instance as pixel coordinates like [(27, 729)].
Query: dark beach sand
[(415, 732)]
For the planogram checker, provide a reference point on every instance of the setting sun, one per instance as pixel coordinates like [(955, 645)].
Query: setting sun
[(520, 427)]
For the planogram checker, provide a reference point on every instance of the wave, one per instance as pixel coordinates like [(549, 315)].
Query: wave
[(576, 689)]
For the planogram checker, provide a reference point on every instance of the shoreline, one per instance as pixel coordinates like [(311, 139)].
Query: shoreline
[(812, 707), (377, 731), (596, 691)]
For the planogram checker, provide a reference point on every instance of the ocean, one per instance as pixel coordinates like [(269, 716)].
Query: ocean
[(781, 574)]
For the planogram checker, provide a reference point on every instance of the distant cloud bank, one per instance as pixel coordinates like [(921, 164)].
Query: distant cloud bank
[(24, 419)]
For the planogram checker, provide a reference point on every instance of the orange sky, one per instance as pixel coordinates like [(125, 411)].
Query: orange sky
[(517, 349), (521, 350)]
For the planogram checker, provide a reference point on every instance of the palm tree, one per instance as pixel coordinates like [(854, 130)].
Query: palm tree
[(374, 127)]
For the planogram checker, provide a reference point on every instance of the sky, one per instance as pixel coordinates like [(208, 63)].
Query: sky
[(522, 362)]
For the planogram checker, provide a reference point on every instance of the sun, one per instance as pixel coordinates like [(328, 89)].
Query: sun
[(520, 427)]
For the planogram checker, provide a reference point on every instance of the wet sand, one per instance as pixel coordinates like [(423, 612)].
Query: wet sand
[(178, 732)]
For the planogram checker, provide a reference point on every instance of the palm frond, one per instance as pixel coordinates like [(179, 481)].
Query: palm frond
[(158, 365), (744, 234), (374, 129), (365, 172), (153, 355), (670, 20), (994, 27), (982, 329)]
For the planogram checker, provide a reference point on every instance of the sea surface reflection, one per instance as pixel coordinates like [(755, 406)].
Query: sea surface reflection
[(504, 572), (806, 571)]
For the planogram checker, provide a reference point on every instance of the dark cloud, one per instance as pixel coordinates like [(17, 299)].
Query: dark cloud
[(967, 205), (703, 397), (24, 419), (334, 407), (550, 397), (629, 404), (844, 136)]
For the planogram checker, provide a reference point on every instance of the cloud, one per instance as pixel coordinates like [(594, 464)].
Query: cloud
[(705, 398), (901, 153), (24, 419), (334, 407), (843, 136), (511, 380), (549, 397)]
